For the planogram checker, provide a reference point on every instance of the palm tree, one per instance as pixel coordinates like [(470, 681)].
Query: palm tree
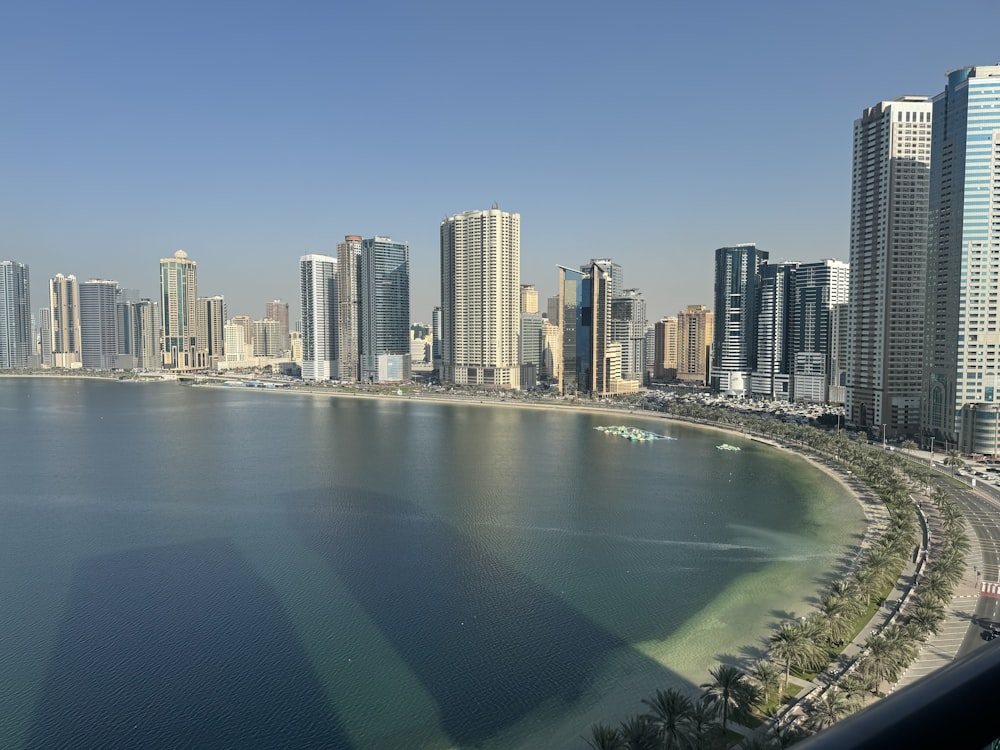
[(926, 618), (883, 660), (954, 459), (603, 737), (831, 708), (728, 691), (638, 733), (670, 714), (934, 587), (766, 676), (791, 644), (703, 720)]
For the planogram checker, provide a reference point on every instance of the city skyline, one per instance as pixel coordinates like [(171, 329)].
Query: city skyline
[(137, 134)]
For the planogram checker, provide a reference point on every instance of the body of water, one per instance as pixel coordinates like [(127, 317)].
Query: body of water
[(193, 567)]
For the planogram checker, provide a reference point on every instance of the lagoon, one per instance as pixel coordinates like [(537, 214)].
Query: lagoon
[(228, 568)]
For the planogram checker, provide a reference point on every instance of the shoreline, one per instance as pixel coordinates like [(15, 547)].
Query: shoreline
[(626, 702), (864, 496)]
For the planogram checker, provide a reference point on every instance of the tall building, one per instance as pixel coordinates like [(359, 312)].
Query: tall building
[(385, 311), (144, 334), (45, 336), (612, 270), (737, 300), (245, 324), (821, 294), (963, 264), (348, 308), (592, 361), (530, 342), (665, 350), (695, 336), (318, 288), (267, 338), (574, 336), (889, 203), (628, 328), (436, 351), (278, 310), (211, 333), (772, 366), (99, 324), (178, 308), (16, 337), (480, 298), (550, 366), (529, 298), (64, 314)]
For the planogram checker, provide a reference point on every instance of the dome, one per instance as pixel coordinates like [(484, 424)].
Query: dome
[(180, 255)]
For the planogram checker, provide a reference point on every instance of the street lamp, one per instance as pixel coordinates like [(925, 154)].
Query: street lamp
[(932, 450), (883, 437)]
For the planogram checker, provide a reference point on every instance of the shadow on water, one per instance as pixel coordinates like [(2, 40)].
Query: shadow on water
[(178, 646), (487, 643)]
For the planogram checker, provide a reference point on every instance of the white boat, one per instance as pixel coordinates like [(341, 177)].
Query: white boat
[(727, 447)]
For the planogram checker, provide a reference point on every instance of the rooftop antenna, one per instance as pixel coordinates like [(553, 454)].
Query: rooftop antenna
[(496, 206)]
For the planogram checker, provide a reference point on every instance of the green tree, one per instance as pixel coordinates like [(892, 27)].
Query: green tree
[(728, 690), (793, 645), (670, 713), (638, 733), (603, 737), (767, 677), (954, 460), (829, 709)]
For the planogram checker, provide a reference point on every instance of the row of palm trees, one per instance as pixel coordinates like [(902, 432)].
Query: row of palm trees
[(806, 646)]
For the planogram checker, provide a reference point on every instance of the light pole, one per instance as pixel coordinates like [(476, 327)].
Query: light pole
[(932, 450), (883, 437)]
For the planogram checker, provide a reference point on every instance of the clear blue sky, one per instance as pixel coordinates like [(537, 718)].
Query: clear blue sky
[(250, 133)]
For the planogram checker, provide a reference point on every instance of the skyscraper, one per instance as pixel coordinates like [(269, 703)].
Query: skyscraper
[(348, 308), (737, 300), (211, 333), (592, 361), (64, 314), (772, 366), (266, 338), (889, 193), (963, 264), (99, 324), (628, 328), (385, 311), (16, 338), (821, 293), (480, 298), (665, 351), (178, 308), (278, 310), (695, 334), (318, 288), (529, 298)]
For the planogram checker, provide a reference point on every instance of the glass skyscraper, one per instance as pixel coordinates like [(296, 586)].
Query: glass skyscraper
[(962, 340), (737, 300), (385, 311), (16, 340)]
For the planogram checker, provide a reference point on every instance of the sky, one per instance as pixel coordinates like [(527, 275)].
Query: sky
[(251, 133)]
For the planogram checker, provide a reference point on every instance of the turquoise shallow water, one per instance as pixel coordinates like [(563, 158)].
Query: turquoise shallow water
[(221, 568)]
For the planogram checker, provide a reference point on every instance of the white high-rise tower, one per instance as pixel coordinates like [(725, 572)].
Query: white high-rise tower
[(889, 189), (481, 298), (318, 286)]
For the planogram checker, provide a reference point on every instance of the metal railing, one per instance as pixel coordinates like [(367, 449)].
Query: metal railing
[(954, 707)]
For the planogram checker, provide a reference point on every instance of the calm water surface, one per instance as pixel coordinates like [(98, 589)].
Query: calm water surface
[(188, 567)]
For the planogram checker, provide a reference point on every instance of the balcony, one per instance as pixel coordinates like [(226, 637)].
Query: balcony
[(955, 708)]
